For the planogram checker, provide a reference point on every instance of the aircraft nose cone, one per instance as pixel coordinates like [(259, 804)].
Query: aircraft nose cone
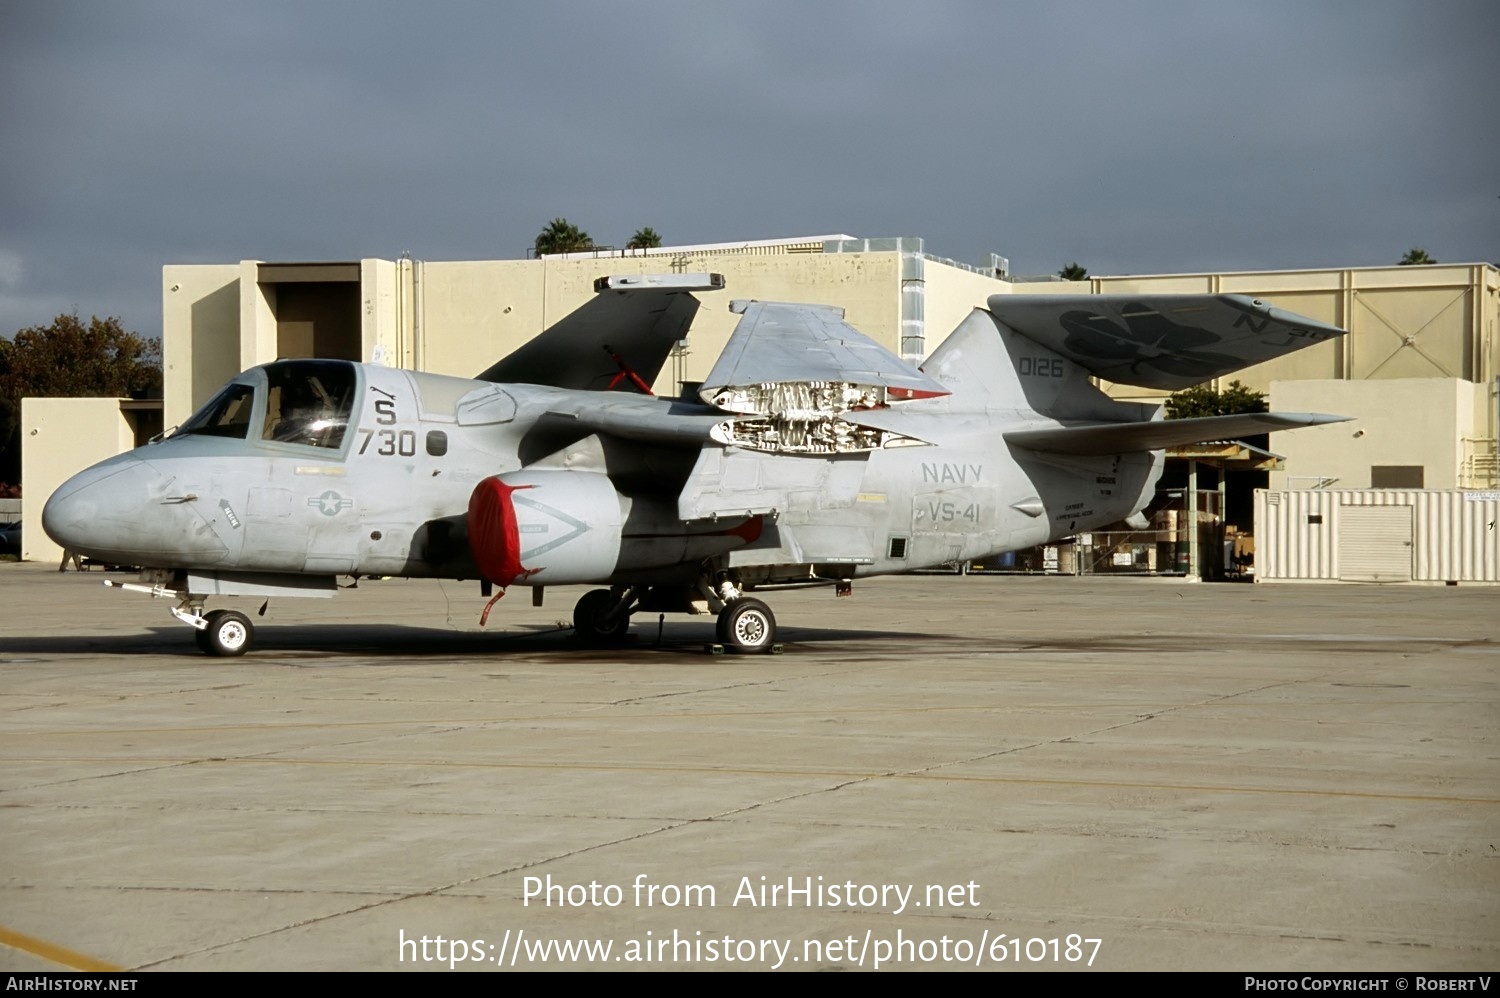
[(114, 512), (71, 516)]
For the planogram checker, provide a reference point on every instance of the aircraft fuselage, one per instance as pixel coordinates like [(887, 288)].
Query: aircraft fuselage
[(385, 492)]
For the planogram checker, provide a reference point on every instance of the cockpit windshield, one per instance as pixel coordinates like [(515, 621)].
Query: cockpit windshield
[(309, 402), (226, 415)]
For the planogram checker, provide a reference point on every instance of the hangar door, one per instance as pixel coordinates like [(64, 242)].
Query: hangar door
[(1375, 543)]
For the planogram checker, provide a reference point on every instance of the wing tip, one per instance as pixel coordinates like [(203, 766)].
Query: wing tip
[(1310, 418)]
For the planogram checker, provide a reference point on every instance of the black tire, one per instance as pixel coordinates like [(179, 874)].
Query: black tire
[(228, 633), (589, 613), (747, 625)]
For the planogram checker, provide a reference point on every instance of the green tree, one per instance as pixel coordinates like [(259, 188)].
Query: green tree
[(562, 236), (1073, 272), (1191, 403), (70, 358), (1416, 255), (646, 238)]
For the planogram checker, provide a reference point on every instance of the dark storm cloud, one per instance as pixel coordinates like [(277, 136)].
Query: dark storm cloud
[(1146, 137)]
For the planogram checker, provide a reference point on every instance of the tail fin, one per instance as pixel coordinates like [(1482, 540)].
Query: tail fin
[(986, 364), (971, 362), (1038, 352)]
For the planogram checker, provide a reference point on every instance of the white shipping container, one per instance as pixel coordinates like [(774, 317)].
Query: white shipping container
[(1377, 535)]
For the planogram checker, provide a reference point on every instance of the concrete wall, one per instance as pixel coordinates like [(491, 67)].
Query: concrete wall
[(200, 334), (59, 438), (1419, 421), (458, 317), (951, 294), (386, 290), (469, 314), (258, 339)]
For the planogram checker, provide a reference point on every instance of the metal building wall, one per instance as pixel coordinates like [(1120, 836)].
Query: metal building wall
[(1455, 536)]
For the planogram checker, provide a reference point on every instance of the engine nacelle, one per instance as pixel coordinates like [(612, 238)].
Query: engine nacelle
[(546, 527)]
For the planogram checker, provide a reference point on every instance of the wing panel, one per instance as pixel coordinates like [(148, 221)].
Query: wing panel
[(779, 343), (637, 322)]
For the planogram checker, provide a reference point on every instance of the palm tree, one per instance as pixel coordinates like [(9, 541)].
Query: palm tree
[(1073, 272), (1416, 255), (562, 236), (646, 238)]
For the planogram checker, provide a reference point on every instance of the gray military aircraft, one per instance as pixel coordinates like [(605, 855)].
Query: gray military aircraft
[(810, 455)]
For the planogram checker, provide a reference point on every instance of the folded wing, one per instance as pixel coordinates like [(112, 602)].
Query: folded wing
[(1167, 342), (777, 343), (629, 328)]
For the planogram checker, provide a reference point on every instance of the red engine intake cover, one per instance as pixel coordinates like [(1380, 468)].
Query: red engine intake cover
[(494, 537)]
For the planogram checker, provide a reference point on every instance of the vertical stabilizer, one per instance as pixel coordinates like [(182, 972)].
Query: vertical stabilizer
[(972, 364), (986, 364)]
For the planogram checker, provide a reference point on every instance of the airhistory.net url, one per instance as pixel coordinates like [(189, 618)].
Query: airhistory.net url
[(517, 949)]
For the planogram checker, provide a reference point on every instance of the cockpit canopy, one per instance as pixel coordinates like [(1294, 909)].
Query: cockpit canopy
[(307, 403)]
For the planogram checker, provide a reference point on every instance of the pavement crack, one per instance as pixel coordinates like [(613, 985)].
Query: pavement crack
[(406, 896)]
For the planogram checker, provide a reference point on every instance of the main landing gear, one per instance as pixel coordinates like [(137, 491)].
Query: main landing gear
[(602, 615), (745, 625)]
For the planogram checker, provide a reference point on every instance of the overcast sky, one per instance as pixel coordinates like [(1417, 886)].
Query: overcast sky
[(1130, 137)]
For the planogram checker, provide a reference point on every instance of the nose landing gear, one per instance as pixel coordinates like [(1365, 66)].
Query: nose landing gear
[(228, 633), (221, 633)]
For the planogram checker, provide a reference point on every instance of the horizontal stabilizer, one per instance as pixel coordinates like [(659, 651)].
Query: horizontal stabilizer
[(1122, 438), (619, 339), (1167, 342)]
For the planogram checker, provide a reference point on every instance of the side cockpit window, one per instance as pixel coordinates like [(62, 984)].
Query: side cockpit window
[(226, 415), (308, 402)]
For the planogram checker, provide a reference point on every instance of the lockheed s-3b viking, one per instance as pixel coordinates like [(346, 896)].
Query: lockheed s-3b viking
[(810, 454)]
